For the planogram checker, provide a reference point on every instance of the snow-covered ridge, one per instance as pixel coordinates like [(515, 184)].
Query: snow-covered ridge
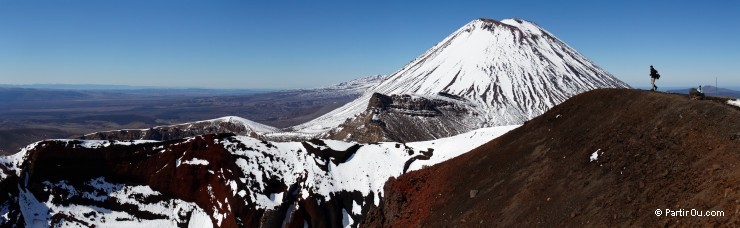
[(228, 124), (248, 124), (365, 171), (353, 87), (13, 162), (359, 85), (322, 170), (513, 70)]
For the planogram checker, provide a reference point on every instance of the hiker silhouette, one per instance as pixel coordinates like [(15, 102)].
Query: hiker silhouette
[(653, 76)]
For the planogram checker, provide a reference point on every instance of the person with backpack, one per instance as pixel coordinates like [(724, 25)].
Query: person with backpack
[(696, 94), (700, 92), (653, 76)]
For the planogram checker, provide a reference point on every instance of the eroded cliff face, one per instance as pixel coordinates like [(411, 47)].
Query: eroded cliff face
[(198, 173), (606, 157), (229, 124), (407, 118)]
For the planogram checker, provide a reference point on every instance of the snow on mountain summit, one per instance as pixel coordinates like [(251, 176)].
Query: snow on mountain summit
[(512, 70)]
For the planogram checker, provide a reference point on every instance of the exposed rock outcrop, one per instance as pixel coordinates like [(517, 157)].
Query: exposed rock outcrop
[(229, 124), (409, 118)]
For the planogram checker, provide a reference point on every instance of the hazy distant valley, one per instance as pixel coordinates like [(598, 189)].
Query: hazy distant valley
[(29, 115)]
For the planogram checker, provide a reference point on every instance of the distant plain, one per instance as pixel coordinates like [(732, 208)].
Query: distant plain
[(29, 115)]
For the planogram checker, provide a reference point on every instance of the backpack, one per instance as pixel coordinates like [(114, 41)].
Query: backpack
[(657, 76)]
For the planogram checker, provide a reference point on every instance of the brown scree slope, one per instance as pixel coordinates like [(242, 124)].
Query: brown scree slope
[(656, 151)]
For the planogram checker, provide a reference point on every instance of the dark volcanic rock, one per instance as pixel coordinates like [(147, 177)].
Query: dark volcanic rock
[(407, 118), (232, 125)]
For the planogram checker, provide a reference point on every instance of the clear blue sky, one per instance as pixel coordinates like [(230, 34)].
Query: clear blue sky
[(292, 44)]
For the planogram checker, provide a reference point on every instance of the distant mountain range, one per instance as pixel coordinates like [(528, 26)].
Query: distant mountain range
[(711, 91), (128, 90), (121, 87)]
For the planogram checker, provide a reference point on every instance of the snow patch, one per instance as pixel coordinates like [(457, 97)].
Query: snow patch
[(448, 148), (248, 124), (35, 213), (734, 102), (338, 145), (595, 155), (199, 219), (356, 208), (94, 144), (195, 161), (170, 211)]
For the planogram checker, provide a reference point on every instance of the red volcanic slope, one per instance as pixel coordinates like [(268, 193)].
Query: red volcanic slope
[(655, 151)]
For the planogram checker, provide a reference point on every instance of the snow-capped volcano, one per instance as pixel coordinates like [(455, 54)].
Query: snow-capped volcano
[(509, 71)]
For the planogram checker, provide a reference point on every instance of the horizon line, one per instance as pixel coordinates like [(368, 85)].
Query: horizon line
[(73, 86)]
